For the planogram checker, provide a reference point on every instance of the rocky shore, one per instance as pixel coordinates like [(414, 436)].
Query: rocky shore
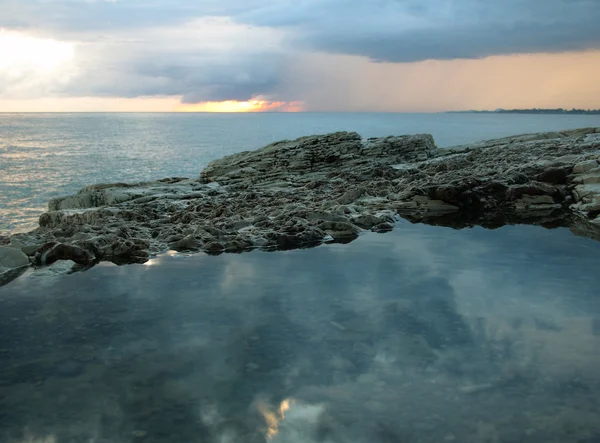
[(315, 189)]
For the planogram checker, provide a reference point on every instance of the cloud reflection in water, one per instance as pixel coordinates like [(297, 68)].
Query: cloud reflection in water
[(423, 334)]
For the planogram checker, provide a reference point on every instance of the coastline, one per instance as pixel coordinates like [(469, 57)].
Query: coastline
[(322, 188)]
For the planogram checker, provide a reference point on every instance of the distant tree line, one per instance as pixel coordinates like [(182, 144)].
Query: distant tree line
[(538, 111)]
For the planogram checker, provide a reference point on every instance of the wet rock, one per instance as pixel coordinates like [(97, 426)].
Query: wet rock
[(299, 193), (11, 258), (128, 251), (214, 247), (529, 203), (53, 252), (383, 227), (421, 203), (13, 263), (532, 188), (238, 245), (9, 275), (367, 221), (187, 243), (340, 230)]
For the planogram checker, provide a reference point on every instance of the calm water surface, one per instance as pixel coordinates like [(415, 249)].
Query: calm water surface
[(48, 155), (424, 334)]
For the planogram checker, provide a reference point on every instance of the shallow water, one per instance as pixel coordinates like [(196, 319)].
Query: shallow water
[(424, 334), (43, 156)]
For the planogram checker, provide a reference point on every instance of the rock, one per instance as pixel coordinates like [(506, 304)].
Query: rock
[(367, 221), (53, 252), (402, 149), (421, 203), (383, 227), (12, 258), (13, 263), (11, 274), (340, 231), (30, 250), (589, 178), (300, 193), (585, 166), (214, 247), (134, 250), (351, 196), (555, 176), (186, 244), (529, 203)]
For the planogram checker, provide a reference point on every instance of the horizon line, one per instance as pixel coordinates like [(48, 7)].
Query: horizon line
[(590, 111)]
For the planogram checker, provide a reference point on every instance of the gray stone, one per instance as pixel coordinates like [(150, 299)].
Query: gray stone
[(30, 250), (12, 258), (340, 231), (590, 178), (351, 196), (585, 166), (185, 244), (53, 252)]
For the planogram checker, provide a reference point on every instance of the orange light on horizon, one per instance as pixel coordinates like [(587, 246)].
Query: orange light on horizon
[(254, 105)]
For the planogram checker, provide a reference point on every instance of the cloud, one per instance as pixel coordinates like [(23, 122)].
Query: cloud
[(216, 50), (30, 67), (411, 30), (331, 82), (207, 59)]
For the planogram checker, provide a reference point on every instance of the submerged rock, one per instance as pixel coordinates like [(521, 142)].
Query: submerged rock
[(299, 193), (13, 262), (11, 258)]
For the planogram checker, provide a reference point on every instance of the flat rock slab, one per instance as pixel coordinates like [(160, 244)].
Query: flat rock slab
[(298, 193)]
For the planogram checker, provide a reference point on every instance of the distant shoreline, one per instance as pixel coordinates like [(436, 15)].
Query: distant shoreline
[(559, 111)]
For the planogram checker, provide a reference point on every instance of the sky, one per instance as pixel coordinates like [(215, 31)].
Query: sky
[(298, 55)]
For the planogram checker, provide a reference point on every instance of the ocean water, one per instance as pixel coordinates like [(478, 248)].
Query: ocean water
[(421, 335), (43, 156)]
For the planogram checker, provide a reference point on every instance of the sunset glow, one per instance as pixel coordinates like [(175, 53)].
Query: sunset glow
[(255, 105)]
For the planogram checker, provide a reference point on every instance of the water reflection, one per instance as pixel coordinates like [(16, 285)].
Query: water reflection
[(424, 334)]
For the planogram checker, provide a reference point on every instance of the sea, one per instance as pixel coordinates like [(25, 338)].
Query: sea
[(425, 334), (43, 156)]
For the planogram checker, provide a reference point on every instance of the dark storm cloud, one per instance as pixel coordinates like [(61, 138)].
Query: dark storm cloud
[(409, 30), (75, 16), (390, 30), (86, 15), (211, 77)]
